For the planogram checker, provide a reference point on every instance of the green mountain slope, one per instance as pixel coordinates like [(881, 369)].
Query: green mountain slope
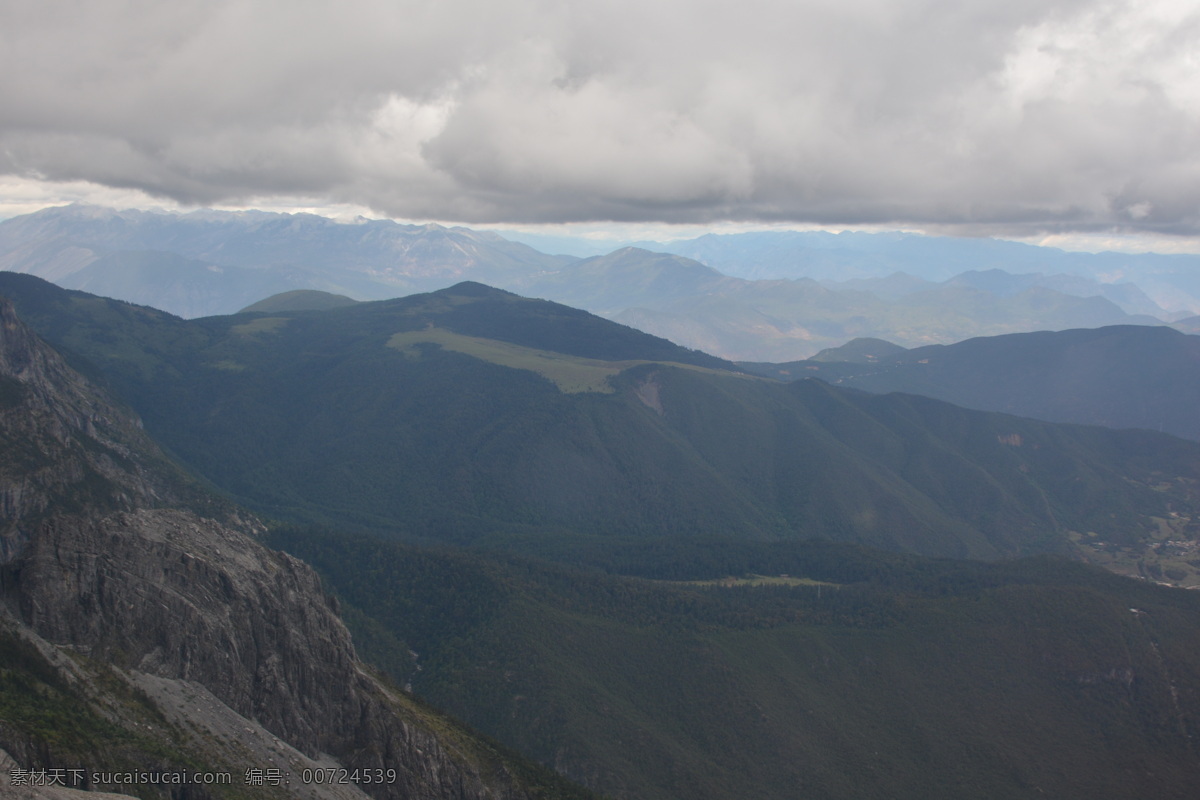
[(855, 351), (858, 675), (473, 415), (1120, 376), (144, 628), (298, 300), (696, 642)]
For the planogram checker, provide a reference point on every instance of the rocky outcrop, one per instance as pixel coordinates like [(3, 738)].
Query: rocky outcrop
[(64, 446), (99, 558), (169, 594)]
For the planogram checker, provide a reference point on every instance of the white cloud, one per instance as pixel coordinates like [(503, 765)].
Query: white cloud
[(993, 116), (24, 196)]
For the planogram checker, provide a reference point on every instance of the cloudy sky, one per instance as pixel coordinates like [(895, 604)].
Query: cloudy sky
[(1009, 117)]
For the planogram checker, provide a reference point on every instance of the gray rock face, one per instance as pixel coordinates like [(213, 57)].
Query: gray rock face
[(166, 592), (171, 594), (64, 446), (96, 559)]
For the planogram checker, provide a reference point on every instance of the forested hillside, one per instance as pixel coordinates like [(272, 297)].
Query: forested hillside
[(1121, 376), (666, 578), (856, 674), (471, 415)]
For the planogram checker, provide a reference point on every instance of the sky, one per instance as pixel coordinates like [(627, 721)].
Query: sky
[(1064, 121)]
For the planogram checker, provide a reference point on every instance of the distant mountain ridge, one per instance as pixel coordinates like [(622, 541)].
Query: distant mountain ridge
[(624, 278), (763, 297), (1119, 376), (1127, 296), (1171, 280), (232, 259), (767, 320), (759, 320)]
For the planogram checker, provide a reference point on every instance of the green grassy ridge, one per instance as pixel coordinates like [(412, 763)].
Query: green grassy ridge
[(571, 374), (251, 409), (925, 678), (310, 416), (472, 309), (134, 343), (299, 300)]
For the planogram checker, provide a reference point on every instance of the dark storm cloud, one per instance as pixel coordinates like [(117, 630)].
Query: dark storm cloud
[(987, 115)]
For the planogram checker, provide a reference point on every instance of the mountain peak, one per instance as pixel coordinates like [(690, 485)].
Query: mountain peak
[(299, 300), (473, 289)]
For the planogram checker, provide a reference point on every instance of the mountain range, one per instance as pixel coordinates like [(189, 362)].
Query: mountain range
[(473, 414), (766, 319), (1119, 376), (216, 262), (807, 292), (1170, 280), (629, 561)]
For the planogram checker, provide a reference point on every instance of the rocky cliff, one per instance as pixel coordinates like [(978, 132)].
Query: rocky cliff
[(109, 554)]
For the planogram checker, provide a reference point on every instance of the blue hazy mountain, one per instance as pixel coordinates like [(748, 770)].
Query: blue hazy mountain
[(1124, 376), (760, 297), (210, 262), (1171, 280)]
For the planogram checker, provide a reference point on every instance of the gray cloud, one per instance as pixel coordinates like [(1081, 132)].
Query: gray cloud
[(994, 115)]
